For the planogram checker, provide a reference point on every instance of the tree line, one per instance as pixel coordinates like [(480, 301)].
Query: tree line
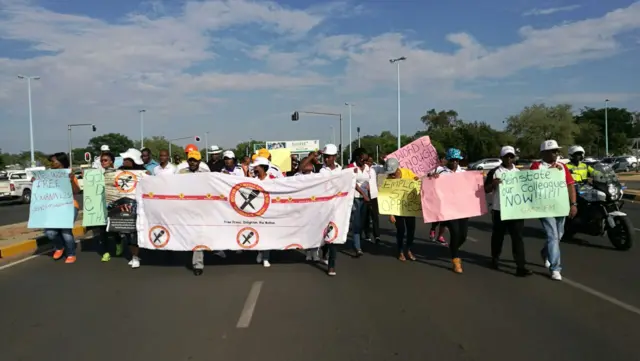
[(477, 139)]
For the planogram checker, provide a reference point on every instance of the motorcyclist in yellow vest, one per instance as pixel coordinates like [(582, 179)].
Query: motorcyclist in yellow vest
[(580, 171)]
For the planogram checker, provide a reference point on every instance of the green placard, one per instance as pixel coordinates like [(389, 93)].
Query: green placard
[(533, 194), (95, 204)]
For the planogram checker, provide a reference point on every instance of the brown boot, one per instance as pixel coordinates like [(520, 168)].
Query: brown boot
[(457, 265)]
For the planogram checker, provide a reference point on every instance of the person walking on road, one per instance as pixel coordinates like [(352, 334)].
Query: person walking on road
[(554, 226), (107, 160), (329, 251), (458, 228), (195, 166), (371, 222), (363, 177), (261, 168), (404, 225), (62, 238), (215, 161), (149, 163), (184, 165), (515, 227), (165, 167)]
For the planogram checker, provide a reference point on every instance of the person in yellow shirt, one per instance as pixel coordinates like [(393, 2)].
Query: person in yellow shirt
[(579, 170), (404, 225)]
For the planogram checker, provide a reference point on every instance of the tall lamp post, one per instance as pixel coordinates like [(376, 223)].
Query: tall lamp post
[(29, 78), (606, 127), (358, 129), (397, 62), (350, 129), (296, 116), (142, 111), (69, 126)]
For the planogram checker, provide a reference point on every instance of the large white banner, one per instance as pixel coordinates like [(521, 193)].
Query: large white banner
[(214, 211)]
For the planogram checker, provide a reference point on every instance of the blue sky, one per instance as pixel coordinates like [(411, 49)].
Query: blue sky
[(238, 68)]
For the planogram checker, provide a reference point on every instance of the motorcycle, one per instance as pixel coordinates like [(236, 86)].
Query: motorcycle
[(599, 210)]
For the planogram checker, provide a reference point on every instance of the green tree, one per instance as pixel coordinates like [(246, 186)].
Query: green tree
[(78, 155), (241, 148), (434, 120), (539, 122), (620, 124), (158, 143), (118, 143)]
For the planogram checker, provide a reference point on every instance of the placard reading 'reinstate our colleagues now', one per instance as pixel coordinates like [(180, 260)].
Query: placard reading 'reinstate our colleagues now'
[(533, 194), (400, 197)]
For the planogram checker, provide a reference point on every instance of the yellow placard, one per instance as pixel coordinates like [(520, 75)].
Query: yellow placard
[(400, 197), (281, 158)]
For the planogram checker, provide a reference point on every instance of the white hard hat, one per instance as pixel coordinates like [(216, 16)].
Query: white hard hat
[(104, 148), (549, 145), (330, 149), (576, 149)]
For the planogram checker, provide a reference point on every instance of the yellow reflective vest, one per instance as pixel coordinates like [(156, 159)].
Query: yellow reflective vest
[(580, 172)]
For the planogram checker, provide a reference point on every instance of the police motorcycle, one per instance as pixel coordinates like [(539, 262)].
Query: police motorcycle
[(599, 210)]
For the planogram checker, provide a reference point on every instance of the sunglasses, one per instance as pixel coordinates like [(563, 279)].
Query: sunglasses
[(104, 160)]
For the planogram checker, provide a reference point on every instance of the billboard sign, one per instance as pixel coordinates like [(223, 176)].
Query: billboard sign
[(295, 146)]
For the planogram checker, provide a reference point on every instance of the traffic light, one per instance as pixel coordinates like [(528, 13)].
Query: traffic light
[(93, 127), (196, 138), (295, 116)]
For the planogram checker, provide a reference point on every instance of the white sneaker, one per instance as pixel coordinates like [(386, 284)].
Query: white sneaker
[(547, 264), (309, 257), (259, 258), (130, 262), (266, 264), (221, 254), (325, 261), (556, 276), (135, 263)]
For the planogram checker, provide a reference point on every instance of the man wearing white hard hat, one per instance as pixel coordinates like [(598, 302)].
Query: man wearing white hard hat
[(515, 227), (329, 155), (215, 161), (554, 226)]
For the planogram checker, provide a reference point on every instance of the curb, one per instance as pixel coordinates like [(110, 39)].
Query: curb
[(30, 246), (631, 197)]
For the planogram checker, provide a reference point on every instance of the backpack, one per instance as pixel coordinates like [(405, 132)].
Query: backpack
[(489, 178)]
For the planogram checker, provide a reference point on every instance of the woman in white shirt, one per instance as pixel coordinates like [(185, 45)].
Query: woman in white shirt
[(329, 252), (363, 176), (458, 228)]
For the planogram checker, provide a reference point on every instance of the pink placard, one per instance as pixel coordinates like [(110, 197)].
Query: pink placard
[(453, 196), (420, 156)]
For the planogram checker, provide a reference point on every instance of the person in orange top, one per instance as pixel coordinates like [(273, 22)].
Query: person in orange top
[(62, 238)]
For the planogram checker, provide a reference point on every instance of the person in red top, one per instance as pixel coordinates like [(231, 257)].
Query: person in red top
[(554, 226)]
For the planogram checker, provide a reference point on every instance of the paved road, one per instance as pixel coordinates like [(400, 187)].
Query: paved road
[(377, 308), (16, 212)]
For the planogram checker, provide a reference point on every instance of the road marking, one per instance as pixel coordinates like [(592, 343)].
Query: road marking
[(15, 263), (638, 229), (250, 305), (601, 295), (472, 239)]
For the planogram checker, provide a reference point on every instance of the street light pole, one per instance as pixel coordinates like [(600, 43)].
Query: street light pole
[(29, 78), (358, 129), (206, 145), (397, 62), (350, 129), (142, 111), (606, 127), (333, 134)]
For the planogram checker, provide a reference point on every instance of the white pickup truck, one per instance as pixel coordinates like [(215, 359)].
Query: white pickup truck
[(17, 185)]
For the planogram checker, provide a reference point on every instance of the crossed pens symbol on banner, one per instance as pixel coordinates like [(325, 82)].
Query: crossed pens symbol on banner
[(247, 238), (157, 236), (248, 198)]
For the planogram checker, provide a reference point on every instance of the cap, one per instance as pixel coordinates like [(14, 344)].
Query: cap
[(391, 165), (194, 154), (133, 154), (260, 161), (576, 149), (330, 149), (549, 145), (228, 154), (215, 149), (453, 153), (264, 153), (507, 149), (253, 157), (104, 148)]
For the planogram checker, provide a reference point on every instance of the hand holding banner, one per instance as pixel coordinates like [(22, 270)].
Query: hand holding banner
[(453, 196), (52, 200), (533, 194), (400, 197), (420, 156)]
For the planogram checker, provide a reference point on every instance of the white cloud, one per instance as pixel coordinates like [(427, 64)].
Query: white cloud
[(549, 11), (594, 98)]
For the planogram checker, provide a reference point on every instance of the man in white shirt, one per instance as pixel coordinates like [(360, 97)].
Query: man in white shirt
[(515, 227), (165, 166)]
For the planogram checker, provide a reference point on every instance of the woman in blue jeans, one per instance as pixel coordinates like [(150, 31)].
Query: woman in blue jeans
[(62, 238), (363, 176)]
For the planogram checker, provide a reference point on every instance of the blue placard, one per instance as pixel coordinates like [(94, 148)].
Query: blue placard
[(118, 162), (51, 200)]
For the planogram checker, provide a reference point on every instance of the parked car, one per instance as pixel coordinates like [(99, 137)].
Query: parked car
[(17, 185), (487, 163), (523, 163), (633, 161)]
